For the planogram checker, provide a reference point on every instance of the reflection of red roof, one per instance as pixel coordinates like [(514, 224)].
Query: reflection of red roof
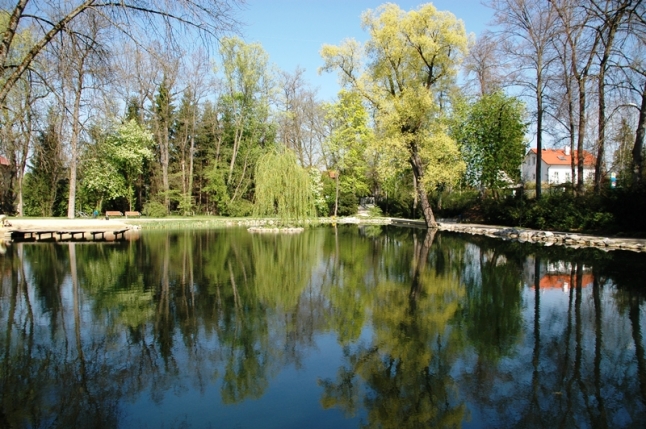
[(559, 157), (3, 160), (564, 281)]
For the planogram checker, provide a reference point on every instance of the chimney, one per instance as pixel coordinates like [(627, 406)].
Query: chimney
[(567, 150)]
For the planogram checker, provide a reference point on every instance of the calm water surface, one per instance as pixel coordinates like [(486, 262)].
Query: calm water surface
[(333, 328)]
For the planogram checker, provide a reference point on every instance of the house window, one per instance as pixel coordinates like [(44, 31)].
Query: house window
[(567, 177), (555, 177), (533, 176), (533, 160)]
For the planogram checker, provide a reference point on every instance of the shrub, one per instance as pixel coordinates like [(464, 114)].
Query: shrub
[(348, 204), (154, 209), (455, 203), (240, 208), (375, 211)]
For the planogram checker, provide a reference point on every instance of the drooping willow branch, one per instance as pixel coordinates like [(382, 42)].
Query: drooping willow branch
[(283, 188)]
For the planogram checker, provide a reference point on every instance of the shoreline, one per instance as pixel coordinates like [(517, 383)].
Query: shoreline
[(523, 235), (572, 240), (548, 238)]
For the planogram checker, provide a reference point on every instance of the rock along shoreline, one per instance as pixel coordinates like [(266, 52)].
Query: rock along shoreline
[(548, 238)]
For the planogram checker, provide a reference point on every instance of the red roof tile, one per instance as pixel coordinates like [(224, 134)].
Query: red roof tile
[(559, 157)]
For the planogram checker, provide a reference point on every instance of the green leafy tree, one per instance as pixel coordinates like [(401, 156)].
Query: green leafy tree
[(114, 172), (186, 130), (491, 134), (244, 125), (624, 137), (44, 185), (411, 61), (345, 147), (164, 117)]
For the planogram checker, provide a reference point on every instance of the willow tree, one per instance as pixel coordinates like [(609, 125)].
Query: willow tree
[(283, 187), (411, 61)]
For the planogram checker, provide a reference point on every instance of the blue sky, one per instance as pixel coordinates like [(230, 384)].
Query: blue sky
[(293, 31)]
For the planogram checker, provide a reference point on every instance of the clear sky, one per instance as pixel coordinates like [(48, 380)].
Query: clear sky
[(293, 31)]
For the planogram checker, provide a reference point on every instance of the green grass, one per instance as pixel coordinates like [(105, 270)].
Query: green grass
[(193, 222)]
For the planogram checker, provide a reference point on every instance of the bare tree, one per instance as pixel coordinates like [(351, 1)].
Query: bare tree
[(528, 27), (80, 64), (485, 63), (163, 122), (611, 14), (638, 148), (300, 117), (155, 18), (562, 95), (582, 40), (19, 120), (196, 88), (136, 75), (637, 68)]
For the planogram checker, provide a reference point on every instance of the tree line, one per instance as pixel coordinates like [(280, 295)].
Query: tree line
[(105, 107)]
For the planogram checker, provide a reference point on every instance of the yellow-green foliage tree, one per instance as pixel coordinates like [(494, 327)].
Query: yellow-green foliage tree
[(405, 71)]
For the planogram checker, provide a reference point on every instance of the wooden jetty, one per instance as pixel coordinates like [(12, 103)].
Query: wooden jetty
[(25, 229)]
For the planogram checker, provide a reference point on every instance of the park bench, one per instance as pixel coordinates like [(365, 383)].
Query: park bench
[(132, 214), (109, 214)]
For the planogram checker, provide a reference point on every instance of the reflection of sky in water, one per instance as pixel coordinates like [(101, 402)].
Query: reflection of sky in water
[(290, 400)]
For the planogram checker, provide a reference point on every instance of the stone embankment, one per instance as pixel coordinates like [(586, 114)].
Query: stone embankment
[(548, 238)]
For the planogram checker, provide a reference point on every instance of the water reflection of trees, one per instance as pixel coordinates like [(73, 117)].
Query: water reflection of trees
[(577, 365), (434, 329), (401, 376)]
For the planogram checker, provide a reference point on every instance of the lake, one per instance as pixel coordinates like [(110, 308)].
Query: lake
[(343, 327)]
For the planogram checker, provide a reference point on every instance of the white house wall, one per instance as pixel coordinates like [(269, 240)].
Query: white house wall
[(552, 174)]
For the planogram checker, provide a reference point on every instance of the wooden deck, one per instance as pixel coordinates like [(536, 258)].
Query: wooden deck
[(59, 230)]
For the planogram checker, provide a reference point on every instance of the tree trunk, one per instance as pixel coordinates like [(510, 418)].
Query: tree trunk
[(581, 135), (418, 172), (639, 142), (415, 196), (336, 196), (539, 134), (165, 147), (191, 164), (74, 141), (24, 155), (601, 132)]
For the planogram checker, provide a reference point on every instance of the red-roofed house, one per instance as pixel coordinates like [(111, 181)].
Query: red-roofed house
[(556, 166), (3, 160)]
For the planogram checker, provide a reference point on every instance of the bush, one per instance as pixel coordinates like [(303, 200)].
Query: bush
[(451, 204), (399, 204), (154, 209), (348, 205), (375, 211), (618, 211), (560, 211), (239, 208)]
